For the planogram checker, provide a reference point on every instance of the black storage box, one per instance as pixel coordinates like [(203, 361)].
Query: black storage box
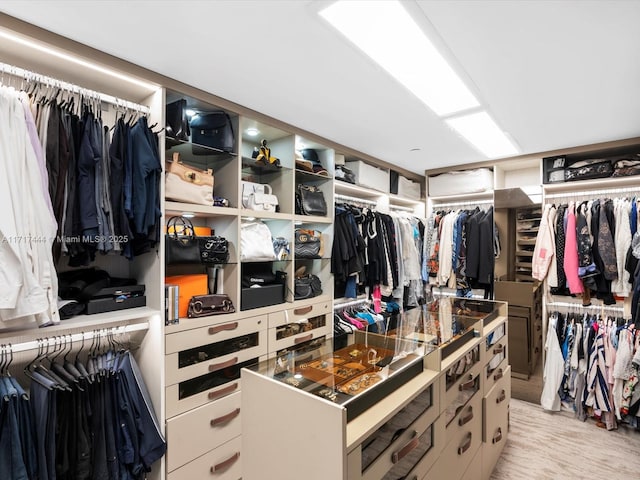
[(117, 298), (261, 296)]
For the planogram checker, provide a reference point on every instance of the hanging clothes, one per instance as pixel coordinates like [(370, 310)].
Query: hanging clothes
[(553, 369)]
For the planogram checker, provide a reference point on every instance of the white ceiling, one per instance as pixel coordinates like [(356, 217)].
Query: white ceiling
[(553, 74)]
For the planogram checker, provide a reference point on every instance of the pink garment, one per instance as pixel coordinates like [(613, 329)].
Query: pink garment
[(356, 323), (377, 299), (571, 253)]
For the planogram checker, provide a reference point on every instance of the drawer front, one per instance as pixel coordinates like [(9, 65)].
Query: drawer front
[(222, 463), (292, 315), (458, 454), (194, 433), (462, 416), (496, 406), (496, 336), (474, 467), (493, 375), (380, 453), (216, 332), (193, 393), (282, 337), (462, 382), (492, 448), (196, 368)]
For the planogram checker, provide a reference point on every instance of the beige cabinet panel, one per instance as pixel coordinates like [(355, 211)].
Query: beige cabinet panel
[(223, 463)]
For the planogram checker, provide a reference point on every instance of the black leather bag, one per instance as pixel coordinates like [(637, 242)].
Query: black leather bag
[(588, 169), (213, 130), (204, 305), (213, 250), (177, 126), (182, 247), (308, 244), (310, 201), (307, 286)]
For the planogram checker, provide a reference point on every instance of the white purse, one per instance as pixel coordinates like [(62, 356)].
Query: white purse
[(181, 191), (258, 196), (256, 244)]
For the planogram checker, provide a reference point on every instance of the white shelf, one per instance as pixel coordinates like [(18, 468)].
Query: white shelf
[(344, 188), (178, 208), (590, 185), (404, 201), (312, 219), (466, 197), (266, 215)]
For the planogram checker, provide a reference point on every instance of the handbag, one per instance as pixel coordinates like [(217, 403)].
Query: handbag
[(281, 248), (588, 169), (258, 196), (212, 130), (183, 247), (256, 244), (204, 305), (310, 200), (263, 156), (307, 286), (308, 244), (187, 184), (626, 167), (345, 174), (177, 126)]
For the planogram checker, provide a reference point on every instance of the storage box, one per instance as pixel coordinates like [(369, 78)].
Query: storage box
[(404, 187), (261, 296), (461, 182), (370, 176), (188, 286)]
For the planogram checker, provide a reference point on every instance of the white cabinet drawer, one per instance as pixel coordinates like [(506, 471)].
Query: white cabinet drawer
[(223, 463), (194, 433), (496, 411), (460, 376), (458, 416), (188, 364), (493, 375), (216, 332), (283, 337), (495, 340), (293, 315)]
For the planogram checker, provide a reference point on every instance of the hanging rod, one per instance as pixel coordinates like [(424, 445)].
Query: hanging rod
[(33, 76), (349, 199), (401, 208), (592, 193), (582, 307), (78, 337), (475, 203), (351, 304)]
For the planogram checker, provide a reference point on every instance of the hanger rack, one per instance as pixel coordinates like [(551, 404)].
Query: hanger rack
[(352, 303), (578, 306), (401, 208), (468, 203), (595, 193), (78, 337), (355, 200), (70, 87)]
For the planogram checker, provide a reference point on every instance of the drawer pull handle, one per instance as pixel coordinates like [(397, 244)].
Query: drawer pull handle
[(499, 349), (498, 375), (304, 338), (502, 397), (497, 437), (400, 454), (225, 418), (222, 328), (223, 391), (219, 366), (465, 446), (303, 310), (468, 385), (226, 464), (467, 418)]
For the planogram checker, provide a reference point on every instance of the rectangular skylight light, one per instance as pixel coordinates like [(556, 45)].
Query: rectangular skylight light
[(481, 131), (385, 31)]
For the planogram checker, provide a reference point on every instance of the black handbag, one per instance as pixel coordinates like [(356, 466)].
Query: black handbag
[(213, 130), (307, 286), (308, 244), (310, 201), (204, 305), (177, 126), (588, 169), (182, 247), (257, 274)]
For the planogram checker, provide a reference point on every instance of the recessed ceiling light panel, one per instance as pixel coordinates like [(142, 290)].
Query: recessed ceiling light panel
[(252, 132), (385, 31), (484, 134)]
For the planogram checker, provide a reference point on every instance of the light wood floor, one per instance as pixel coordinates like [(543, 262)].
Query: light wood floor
[(529, 390), (550, 446)]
